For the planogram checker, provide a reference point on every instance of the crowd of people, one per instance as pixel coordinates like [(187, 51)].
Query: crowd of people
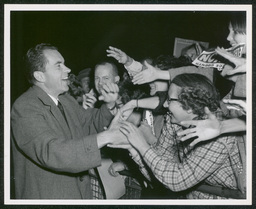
[(163, 118)]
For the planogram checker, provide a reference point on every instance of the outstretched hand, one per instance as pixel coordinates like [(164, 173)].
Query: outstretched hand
[(127, 109), (134, 136), (145, 76), (112, 134), (89, 100), (203, 129), (118, 54), (240, 63), (240, 104)]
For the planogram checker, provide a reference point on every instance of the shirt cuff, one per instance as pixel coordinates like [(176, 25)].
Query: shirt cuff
[(134, 68)]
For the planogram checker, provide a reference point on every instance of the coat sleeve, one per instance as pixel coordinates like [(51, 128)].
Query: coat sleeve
[(96, 117), (38, 136), (195, 168)]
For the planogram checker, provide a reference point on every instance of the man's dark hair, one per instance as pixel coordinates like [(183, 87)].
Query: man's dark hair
[(35, 60), (114, 67), (238, 22)]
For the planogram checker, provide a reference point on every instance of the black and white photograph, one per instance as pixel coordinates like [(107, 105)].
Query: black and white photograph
[(128, 104)]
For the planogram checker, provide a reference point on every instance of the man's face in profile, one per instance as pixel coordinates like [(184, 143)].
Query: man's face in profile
[(55, 76)]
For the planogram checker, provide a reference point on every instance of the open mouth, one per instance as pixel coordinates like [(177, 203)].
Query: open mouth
[(66, 79)]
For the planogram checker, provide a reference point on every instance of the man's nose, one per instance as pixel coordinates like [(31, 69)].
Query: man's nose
[(229, 38), (101, 82), (66, 69)]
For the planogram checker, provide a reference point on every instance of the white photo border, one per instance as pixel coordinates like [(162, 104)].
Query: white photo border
[(8, 8)]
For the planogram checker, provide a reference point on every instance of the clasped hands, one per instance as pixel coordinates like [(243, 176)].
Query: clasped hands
[(132, 137)]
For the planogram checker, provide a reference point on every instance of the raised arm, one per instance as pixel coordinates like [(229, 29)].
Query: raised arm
[(119, 55), (133, 67), (153, 73), (175, 175), (210, 128), (150, 74)]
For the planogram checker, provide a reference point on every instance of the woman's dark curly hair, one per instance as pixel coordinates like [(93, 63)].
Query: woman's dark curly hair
[(197, 93), (166, 62)]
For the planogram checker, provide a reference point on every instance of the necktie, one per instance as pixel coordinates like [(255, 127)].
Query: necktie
[(59, 105)]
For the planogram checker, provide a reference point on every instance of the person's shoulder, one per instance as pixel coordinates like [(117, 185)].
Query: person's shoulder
[(68, 98), (25, 98), (28, 103), (70, 102)]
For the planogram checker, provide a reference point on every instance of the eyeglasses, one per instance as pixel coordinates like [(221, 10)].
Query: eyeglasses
[(169, 100)]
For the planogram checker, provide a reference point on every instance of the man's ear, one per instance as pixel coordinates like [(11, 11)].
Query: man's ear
[(39, 76), (117, 79)]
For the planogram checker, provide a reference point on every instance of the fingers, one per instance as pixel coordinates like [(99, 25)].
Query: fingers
[(124, 131), (222, 52), (88, 101), (112, 172), (189, 123), (188, 136), (236, 102), (89, 97), (127, 128), (115, 168), (239, 69), (229, 56), (118, 54), (110, 88), (107, 89), (138, 78), (192, 144), (225, 70), (186, 131), (112, 54), (115, 49)]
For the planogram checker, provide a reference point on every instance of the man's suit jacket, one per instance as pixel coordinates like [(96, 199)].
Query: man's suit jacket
[(51, 159)]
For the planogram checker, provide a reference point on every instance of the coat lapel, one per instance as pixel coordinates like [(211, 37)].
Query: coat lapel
[(54, 110)]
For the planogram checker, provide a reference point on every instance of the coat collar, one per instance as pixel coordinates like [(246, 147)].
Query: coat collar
[(43, 96)]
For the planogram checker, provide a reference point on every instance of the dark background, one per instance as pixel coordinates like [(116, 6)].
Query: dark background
[(83, 37)]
